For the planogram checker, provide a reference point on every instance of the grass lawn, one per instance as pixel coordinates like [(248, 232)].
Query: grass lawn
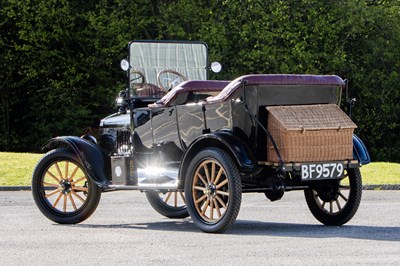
[(381, 174), (16, 170)]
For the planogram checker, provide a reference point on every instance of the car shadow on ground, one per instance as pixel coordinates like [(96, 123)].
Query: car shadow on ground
[(168, 225), (259, 229), (366, 232)]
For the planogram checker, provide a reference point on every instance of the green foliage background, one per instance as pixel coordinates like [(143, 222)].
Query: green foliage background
[(59, 59)]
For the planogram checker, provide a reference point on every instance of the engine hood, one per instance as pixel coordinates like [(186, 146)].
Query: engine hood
[(116, 120)]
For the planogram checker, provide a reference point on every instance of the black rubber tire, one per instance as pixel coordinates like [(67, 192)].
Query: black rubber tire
[(347, 211), (232, 187), (91, 196), (165, 209)]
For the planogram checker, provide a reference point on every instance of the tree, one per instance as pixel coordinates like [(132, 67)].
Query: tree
[(59, 59)]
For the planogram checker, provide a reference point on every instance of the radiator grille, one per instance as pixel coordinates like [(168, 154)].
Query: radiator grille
[(123, 144)]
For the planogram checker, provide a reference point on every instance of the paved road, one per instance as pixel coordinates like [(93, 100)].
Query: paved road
[(125, 230)]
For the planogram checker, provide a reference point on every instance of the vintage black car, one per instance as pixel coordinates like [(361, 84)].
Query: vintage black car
[(195, 145)]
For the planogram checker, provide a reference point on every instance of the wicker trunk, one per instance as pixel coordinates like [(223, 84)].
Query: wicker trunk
[(310, 133)]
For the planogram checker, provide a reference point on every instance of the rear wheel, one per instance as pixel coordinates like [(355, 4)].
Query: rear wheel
[(170, 204), (61, 189), (213, 190), (336, 202)]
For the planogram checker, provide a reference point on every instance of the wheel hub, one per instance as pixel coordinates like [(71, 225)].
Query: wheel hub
[(65, 186), (329, 193), (210, 190)]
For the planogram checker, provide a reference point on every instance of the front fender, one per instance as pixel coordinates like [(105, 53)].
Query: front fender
[(95, 161), (360, 152)]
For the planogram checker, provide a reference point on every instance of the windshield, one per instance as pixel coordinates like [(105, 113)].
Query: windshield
[(147, 59)]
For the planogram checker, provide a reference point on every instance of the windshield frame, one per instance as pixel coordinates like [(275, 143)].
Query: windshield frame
[(197, 72)]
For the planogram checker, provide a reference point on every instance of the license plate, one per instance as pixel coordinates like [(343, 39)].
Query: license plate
[(318, 171)]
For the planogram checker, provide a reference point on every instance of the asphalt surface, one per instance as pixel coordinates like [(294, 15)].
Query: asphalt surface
[(126, 230)]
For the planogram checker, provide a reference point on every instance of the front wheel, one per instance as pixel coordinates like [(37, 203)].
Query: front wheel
[(336, 202), (61, 189), (213, 190), (170, 204)]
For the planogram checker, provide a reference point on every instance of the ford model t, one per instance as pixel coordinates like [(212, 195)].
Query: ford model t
[(193, 145)]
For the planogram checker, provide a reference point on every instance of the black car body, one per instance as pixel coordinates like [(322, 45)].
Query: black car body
[(195, 145)]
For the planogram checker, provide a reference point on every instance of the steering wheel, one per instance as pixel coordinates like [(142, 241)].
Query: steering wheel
[(173, 82), (139, 74)]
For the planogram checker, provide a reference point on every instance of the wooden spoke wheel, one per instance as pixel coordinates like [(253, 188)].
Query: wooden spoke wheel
[(171, 204), (61, 189), (213, 190), (335, 202), (210, 190)]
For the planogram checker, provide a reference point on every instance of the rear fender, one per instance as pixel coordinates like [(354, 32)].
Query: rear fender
[(95, 161), (226, 141), (360, 152)]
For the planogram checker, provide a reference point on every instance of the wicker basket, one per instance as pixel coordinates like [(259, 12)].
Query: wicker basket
[(310, 133)]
